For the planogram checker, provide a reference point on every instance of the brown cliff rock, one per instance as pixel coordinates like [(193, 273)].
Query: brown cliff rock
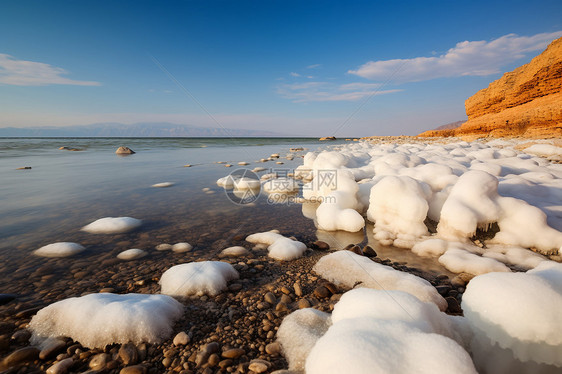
[(526, 102)]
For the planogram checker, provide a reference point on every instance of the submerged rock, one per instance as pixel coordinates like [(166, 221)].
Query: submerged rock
[(124, 151)]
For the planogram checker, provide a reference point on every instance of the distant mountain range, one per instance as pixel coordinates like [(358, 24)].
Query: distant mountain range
[(449, 126), (155, 130)]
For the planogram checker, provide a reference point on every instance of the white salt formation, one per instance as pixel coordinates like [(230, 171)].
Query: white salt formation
[(281, 185), (112, 225), (299, 332), (349, 269), (516, 320), (163, 185), (279, 247), (131, 254), (182, 247), (197, 278), (373, 331), (464, 188), (97, 320), (235, 251), (545, 150), (60, 249)]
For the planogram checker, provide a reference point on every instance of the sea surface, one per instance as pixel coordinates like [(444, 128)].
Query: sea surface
[(65, 190)]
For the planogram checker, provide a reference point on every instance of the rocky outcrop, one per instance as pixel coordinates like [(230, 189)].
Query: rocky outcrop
[(525, 102)]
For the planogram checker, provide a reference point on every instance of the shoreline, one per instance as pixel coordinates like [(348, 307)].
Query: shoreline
[(226, 333)]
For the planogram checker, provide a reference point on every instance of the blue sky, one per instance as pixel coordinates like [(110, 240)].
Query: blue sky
[(344, 68)]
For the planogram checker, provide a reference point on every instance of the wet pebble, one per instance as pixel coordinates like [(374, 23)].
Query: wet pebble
[(51, 348), (61, 367), (181, 339)]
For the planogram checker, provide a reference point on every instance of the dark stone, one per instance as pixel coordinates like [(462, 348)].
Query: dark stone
[(21, 356), (5, 298), (129, 354), (322, 292), (320, 245), (453, 305), (354, 248), (443, 290), (369, 251), (27, 312), (53, 347)]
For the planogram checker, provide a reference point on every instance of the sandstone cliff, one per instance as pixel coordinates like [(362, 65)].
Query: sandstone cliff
[(525, 102)]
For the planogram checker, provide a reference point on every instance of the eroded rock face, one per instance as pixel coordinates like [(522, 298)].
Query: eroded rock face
[(524, 102)]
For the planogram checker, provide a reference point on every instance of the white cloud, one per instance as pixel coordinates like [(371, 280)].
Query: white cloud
[(293, 74), (314, 66), (326, 91), (478, 58), (29, 73)]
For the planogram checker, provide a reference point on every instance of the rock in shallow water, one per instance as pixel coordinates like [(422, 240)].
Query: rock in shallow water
[(124, 151)]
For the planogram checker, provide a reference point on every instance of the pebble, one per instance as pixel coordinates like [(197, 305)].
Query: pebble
[(259, 366), (164, 247), (61, 367), (181, 339), (285, 290), (129, 354), (21, 336), (51, 348), (319, 244), (453, 305), (136, 369), (270, 298), (20, 356), (124, 151), (233, 353), (214, 359), (273, 349), (98, 362), (322, 292), (354, 248), (369, 251), (303, 303), (297, 288)]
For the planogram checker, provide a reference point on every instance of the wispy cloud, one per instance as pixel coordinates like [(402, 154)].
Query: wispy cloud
[(314, 66), (326, 91), (30, 73), (293, 74), (476, 58)]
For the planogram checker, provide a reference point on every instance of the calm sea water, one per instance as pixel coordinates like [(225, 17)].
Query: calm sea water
[(65, 190)]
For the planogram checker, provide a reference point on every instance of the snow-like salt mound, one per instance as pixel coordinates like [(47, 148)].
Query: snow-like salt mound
[(60, 249), (279, 247), (281, 185), (246, 183), (235, 251), (298, 333), (545, 150), (348, 269), (131, 254), (163, 185), (517, 316), (197, 278), (463, 187), (394, 305), (226, 182), (182, 247), (97, 320), (373, 331), (368, 345), (458, 261), (112, 225), (398, 206)]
